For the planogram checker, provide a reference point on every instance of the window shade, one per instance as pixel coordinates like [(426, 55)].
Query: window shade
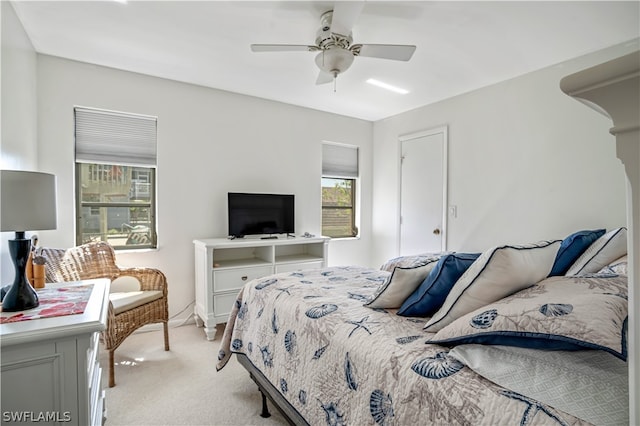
[(339, 160), (115, 137)]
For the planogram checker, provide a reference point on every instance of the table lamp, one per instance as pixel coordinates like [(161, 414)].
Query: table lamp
[(28, 202)]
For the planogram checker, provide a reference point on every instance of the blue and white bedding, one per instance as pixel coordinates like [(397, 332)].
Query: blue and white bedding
[(338, 362), (591, 385)]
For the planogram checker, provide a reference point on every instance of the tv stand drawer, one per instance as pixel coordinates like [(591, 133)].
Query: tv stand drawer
[(291, 267), (231, 279)]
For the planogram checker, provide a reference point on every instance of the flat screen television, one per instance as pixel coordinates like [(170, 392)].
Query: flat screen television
[(260, 214)]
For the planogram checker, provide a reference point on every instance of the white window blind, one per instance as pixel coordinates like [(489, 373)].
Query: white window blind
[(339, 160), (115, 137)]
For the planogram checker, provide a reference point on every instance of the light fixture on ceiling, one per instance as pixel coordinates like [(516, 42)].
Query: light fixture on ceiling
[(387, 86), (332, 62)]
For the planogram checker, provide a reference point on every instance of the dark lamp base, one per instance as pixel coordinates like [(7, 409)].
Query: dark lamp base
[(20, 296)]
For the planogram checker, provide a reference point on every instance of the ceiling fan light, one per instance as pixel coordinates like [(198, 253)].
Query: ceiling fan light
[(335, 60)]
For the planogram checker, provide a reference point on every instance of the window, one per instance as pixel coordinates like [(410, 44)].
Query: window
[(115, 178), (339, 178)]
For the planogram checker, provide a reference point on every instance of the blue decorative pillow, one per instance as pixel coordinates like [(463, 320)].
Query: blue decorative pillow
[(559, 313), (571, 248), (433, 291)]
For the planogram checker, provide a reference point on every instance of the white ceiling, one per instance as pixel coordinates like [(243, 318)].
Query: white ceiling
[(461, 46)]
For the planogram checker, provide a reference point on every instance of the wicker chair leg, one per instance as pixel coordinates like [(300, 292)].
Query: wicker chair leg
[(112, 378), (166, 336)]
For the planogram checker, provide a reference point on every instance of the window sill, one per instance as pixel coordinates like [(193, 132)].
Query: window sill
[(132, 250), (345, 238)]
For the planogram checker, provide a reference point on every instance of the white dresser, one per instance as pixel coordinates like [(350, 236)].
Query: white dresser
[(50, 367), (223, 266)]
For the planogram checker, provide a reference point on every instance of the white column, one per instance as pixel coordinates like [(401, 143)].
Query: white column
[(613, 88)]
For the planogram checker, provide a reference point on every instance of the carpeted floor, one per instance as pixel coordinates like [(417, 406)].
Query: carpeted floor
[(181, 386)]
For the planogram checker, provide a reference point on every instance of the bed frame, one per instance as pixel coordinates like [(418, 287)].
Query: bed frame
[(269, 391)]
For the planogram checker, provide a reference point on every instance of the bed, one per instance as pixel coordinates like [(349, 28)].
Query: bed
[(518, 334)]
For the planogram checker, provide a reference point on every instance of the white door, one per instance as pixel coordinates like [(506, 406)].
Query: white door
[(423, 192)]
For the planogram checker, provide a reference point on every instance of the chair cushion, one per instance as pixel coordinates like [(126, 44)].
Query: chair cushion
[(125, 301)]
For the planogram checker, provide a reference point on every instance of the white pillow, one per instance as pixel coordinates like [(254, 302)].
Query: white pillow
[(497, 273), (402, 282), (601, 252), (124, 284)]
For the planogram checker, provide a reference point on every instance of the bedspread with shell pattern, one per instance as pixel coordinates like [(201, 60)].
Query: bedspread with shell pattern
[(338, 362)]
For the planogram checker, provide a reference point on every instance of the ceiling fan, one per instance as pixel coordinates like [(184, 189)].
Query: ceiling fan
[(334, 43)]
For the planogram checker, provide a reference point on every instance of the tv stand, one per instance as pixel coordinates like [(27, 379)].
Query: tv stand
[(223, 267), (270, 237)]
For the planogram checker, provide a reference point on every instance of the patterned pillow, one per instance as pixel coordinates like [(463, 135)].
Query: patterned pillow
[(603, 251), (431, 294), (618, 266), (560, 313), (571, 248), (407, 261), (497, 273), (402, 281)]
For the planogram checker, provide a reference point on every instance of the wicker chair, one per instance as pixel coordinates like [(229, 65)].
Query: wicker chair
[(97, 260)]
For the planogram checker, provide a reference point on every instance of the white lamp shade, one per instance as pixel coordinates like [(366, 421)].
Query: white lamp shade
[(28, 201)]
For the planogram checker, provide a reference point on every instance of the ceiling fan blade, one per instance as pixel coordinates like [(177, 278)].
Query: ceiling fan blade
[(283, 48), (324, 78), (345, 14), (397, 52)]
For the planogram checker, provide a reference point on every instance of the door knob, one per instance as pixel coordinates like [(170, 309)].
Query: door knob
[(436, 231)]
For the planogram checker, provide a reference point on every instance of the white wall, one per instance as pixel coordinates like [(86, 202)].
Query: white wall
[(209, 142), (526, 163), (19, 127), (18, 145)]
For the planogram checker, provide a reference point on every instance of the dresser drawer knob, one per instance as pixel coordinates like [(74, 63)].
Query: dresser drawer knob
[(244, 278)]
